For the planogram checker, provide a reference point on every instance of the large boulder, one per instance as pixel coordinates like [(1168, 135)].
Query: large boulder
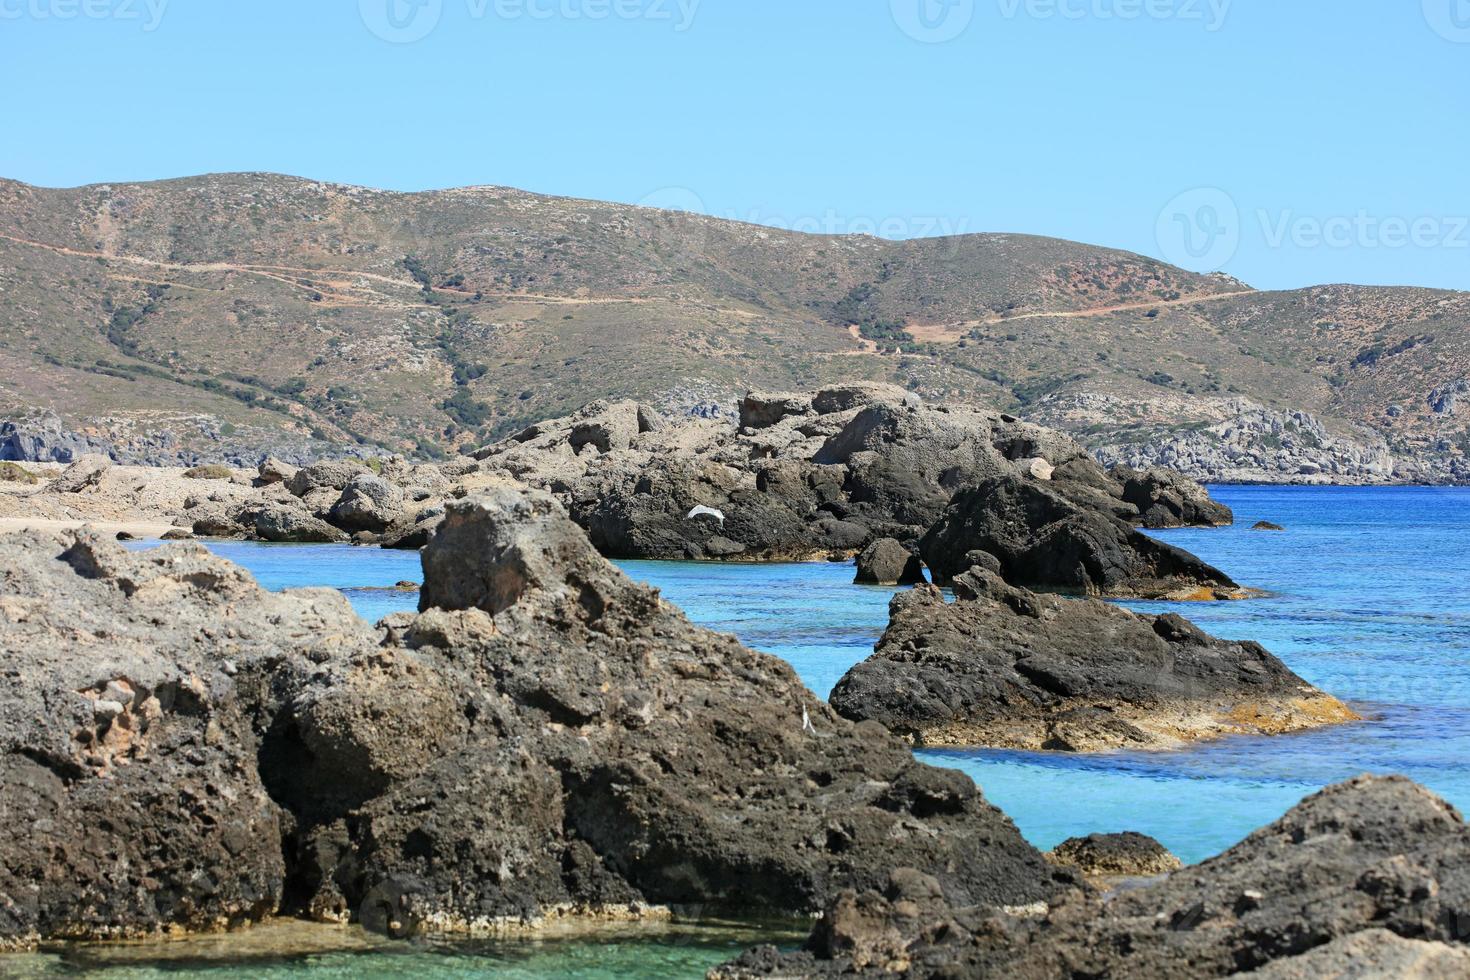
[(284, 521), (1005, 667), (1365, 879), (368, 503), (888, 562), (1044, 540), (545, 736), (763, 409), (272, 471), (333, 474), (606, 427)]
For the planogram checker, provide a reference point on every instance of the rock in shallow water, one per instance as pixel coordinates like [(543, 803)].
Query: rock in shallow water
[(1009, 668), (888, 562), (546, 737), (1043, 539)]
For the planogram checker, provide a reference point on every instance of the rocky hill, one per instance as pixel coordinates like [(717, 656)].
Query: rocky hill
[(223, 317)]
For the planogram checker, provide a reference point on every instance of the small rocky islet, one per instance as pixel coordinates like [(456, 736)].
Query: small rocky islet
[(547, 739)]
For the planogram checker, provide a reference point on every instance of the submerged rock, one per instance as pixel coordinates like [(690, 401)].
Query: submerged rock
[(1266, 526), (1366, 879), (1009, 668), (546, 737), (1044, 540)]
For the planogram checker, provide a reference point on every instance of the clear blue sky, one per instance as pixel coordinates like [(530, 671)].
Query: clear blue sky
[(1337, 130)]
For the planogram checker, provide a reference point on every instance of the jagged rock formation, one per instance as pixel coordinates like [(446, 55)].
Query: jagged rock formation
[(1037, 537), (545, 738), (1363, 879), (1008, 668), (807, 476), (130, 731)]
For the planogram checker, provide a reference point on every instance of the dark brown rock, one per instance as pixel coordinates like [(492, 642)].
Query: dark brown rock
[(1044, 540), (1165, 498), (888, 562), (802, 477)]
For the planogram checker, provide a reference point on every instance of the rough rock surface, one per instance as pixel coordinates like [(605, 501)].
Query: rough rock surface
[(84, 473), (1005, 667), (546, 737), (1237, 440), (1165, 498), (368, 503), (888, 562), (1044, 539), (327, 475), (1110, 856), (272, 470), (1364, 879), (805, 476), (130, 731)]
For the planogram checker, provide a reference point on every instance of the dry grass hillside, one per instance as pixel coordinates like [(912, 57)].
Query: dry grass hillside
[(247, 312)]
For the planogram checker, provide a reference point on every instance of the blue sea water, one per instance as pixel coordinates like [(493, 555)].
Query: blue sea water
[(1369, 598)]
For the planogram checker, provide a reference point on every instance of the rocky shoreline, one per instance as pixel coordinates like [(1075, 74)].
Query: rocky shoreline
[(547, 741), (814, 476)]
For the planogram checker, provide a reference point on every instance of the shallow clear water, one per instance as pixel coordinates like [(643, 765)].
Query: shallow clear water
[(1370, 599), (294, 950)]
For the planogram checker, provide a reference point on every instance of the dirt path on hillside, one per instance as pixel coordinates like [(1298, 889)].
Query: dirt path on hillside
[(330, 282), (941, 333)]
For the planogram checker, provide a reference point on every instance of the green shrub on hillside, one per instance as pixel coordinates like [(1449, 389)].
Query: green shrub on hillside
[(210, 471), (15, 473)]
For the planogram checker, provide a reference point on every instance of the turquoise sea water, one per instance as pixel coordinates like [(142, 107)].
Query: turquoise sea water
[(1369, 599)]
